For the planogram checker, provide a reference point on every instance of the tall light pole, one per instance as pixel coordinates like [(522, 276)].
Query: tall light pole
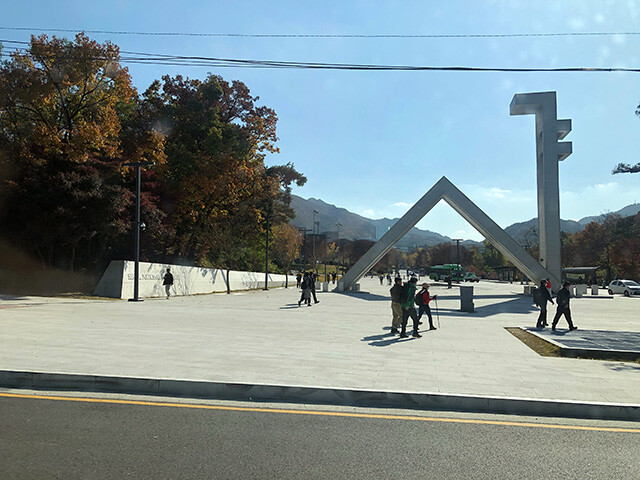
[(266, 255), (338, 245), (314, 238), (457, 240), (136, 280)]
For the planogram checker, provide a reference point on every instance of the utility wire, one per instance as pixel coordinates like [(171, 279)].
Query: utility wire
[(323, 35), (199, 61)]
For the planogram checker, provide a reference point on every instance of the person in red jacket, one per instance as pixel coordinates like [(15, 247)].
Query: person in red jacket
[(422, 300)]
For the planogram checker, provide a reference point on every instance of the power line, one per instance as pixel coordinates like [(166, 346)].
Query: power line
[(327, 35), (129, 57)]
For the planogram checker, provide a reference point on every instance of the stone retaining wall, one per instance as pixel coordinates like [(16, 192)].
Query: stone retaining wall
[(117, 280)]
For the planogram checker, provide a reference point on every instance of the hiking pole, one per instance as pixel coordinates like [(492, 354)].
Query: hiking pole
[(437, 314)]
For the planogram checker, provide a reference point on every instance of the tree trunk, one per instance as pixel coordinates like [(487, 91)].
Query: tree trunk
[(73, 255), (228, 285), (44, 266)]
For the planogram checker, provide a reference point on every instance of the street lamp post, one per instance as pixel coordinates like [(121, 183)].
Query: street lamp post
[(266, 257), (457, 240), (338, 245), (136, 280), (314, 236)]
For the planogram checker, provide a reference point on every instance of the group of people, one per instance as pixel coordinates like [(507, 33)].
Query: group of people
[(328, 277), (403, 302), (307, 283), (543, 295)]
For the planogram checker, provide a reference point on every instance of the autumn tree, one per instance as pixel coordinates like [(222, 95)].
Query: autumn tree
[(60, 138), (285, 246), (219, 191)]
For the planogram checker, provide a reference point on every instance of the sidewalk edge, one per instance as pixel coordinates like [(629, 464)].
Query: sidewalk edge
[(320, 395)]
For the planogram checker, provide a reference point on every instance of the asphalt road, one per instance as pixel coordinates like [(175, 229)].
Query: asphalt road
[(103, 438)]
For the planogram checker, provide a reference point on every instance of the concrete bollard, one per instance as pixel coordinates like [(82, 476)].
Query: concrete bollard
[(581, 290), (594, 289), (325, 286), (466, 299)]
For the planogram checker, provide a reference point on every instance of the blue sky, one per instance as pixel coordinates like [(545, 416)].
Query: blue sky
[(375, 142)]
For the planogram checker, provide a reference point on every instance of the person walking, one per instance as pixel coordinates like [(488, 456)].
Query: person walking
[(298, 279), (542, 297), (408, 308), (313, 277), (396, 307), (167, 282), (422, 300), (306, 290), (562, 299)]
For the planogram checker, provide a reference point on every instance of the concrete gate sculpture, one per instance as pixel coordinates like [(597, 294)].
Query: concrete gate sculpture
[(549, 151)]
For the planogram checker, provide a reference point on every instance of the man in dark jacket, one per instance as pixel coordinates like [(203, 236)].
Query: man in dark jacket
[(396, 307), (409, 309), (167, 281), (562, 299), (542, 297), (313, 277)]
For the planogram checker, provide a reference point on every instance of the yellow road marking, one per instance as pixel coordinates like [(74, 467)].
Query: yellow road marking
[(329, 414)]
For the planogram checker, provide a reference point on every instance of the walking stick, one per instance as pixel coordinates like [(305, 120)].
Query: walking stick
[(437, 314)]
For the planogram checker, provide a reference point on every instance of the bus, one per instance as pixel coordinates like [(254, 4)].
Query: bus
[(441, 272)]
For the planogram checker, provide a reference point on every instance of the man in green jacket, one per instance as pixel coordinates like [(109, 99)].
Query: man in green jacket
[(409, 309)]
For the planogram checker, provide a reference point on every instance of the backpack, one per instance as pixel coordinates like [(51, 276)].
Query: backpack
[(537, 296), (404, 293), (419, 300)]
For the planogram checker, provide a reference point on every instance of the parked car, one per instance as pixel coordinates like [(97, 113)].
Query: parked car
[(471, 277), (626, 287)]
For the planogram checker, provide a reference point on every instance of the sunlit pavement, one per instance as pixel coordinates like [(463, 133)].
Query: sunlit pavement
[(343, 341)]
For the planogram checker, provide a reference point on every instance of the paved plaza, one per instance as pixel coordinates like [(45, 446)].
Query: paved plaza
[(342, 342)]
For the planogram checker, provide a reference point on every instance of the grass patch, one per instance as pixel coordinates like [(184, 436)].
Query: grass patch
[(536, 344)]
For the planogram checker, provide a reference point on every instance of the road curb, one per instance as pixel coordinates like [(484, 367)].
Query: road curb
[(320, 395)]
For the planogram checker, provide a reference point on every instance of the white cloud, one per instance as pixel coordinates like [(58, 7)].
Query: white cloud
[(604, 53), (367, 212), (619, 39), (577, 23), (599, 198), (400, 204), (497, 192)]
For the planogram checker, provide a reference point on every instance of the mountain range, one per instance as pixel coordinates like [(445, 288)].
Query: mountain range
[(354, 226)]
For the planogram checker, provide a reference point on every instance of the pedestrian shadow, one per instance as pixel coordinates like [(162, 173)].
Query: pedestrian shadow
[(621, 367), (366, 296), (290, 306), (385, 339), (558, 333)]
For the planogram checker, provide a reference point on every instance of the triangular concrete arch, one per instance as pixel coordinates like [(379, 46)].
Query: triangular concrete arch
[(447, 191)]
